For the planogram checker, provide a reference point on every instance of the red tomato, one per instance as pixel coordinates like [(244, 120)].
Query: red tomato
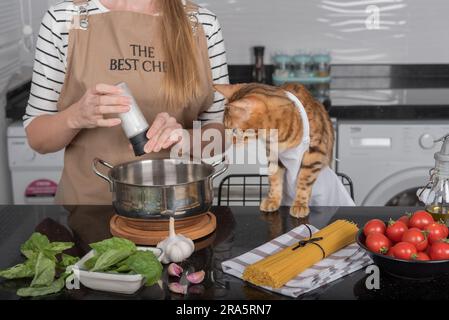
[(378, 243), (374, 226), (421, 256), (390, 253), (404, 250), (420, 220), (405, 219), (445, 230), (429, 247), (395, 230), (416, 237), (439, 251), (436, 232)]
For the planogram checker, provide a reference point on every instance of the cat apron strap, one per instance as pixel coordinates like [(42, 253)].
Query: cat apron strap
[(81, 20), (305, 120)]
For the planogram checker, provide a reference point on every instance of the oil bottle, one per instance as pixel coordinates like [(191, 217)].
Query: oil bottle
[(436, 194)]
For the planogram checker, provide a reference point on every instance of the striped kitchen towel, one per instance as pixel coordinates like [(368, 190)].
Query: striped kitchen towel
[(335, 266)]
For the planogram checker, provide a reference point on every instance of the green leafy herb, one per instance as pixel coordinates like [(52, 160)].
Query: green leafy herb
[(115, 255), (67, 260), (35, 244), (110, 258), (23, 270), (113, 244), (90, 264), (41, 266), (146, 264), (55, 248), (44, 272), (54, 287)]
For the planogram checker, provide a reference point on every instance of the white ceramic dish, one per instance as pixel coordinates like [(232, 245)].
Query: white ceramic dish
[(117, 283)]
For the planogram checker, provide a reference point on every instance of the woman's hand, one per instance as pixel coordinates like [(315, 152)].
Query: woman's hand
[(97, 102), (163, 133)]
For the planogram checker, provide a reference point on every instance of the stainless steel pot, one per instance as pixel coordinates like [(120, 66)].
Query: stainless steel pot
[(158, 189)]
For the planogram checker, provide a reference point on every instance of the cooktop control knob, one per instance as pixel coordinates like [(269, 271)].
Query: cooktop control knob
[(426, 141)]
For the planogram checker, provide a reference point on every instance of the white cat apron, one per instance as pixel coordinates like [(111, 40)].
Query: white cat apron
[(328, 190)]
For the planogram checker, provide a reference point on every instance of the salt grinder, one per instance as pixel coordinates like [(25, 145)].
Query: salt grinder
[(134, 123)]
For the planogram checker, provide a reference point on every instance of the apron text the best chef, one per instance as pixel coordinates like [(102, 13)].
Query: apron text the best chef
[(113, 47)]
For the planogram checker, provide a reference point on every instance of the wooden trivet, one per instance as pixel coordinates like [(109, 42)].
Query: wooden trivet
[(151, 232)]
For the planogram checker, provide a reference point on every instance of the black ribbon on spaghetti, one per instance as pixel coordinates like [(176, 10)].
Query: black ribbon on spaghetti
[(311, 240)]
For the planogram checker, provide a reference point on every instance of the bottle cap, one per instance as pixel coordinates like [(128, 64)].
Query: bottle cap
[(259, 50), (443, 154), (138, 142)]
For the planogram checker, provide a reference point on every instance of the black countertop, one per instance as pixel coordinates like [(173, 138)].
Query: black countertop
[(239, 230)]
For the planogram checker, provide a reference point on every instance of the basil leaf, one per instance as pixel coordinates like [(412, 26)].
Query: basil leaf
[(53, 287), (90, 264), (119, 269), (58, 247), (110, 258), (146, 264), (113, 244), (67, 260), (36, 243), (23, 270), (44, 272)]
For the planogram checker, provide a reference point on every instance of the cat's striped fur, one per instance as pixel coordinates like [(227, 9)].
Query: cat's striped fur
[(258, 106)]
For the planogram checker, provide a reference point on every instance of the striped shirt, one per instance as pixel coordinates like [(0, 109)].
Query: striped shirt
[(50, 63)]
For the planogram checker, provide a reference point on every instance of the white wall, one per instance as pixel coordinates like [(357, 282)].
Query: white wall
[(410, 31)]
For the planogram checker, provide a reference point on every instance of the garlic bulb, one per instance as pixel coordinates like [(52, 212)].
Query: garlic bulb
[(176, 247)]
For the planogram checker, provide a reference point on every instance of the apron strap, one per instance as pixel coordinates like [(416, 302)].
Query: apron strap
[(304, 118), (81, 20), (191, 10)]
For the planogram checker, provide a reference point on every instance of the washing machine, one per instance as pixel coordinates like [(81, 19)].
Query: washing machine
[(34, 176), (388, 160)]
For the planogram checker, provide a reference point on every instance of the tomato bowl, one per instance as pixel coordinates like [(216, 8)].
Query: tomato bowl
[(410, 269)]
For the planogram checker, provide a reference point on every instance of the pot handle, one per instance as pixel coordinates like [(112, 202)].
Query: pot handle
[(219, 172), (98, 173)]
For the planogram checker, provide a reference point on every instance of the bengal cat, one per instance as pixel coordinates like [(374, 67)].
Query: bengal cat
[(258, 106)]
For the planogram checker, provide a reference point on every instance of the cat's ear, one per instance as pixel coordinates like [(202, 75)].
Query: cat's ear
[(228, 90), (241, 108), (245, 103)]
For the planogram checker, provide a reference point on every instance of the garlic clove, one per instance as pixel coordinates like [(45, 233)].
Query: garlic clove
[(176, 287), (174, 270), (196, 277)]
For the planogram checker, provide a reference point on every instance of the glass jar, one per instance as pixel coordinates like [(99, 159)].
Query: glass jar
[(282, 64), (302, 65), (322, 65)]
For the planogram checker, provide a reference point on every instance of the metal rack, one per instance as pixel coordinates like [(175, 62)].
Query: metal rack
[(240, 183)]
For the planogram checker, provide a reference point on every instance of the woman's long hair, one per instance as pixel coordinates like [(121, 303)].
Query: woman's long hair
[(182, 81)]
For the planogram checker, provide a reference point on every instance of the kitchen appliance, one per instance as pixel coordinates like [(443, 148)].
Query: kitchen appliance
[(409, 269), (35, 177), (436, 197), (388, 159), (146, 193)]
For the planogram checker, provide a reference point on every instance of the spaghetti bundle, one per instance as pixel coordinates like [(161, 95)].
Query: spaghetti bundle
[(276, 270)]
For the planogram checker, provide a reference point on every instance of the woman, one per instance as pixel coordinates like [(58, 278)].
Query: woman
[(168, 52)]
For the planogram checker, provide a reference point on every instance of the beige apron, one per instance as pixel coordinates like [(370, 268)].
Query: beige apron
[(115, 47)]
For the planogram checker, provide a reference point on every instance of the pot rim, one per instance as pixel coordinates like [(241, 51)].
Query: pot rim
[(164, 186)]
